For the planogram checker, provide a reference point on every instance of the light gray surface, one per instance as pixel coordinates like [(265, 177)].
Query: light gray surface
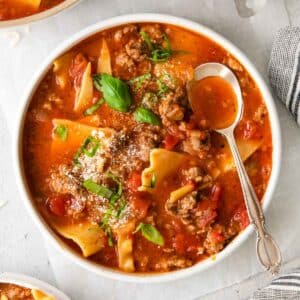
[(22, 248)]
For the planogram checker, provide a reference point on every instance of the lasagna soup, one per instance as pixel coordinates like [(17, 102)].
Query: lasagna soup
[(120, 166), (14, 9), (9, 291)]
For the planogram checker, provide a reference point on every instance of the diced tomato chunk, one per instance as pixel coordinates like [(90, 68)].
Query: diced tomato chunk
[(251, 130), (58, 204), (216, 236), (77, 68), (184, 243), (216, 194), (207, 208), (170, 141), (140, 204), (241, 216), (134, 181)]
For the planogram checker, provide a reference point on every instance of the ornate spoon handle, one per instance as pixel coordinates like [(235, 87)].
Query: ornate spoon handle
[(267, 250)]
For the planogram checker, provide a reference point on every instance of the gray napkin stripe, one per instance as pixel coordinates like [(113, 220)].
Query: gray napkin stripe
[(286, 287), (284, 68), (294, 84)]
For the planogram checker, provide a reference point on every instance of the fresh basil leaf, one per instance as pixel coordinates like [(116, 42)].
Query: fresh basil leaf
[(97, 189), (93, 108), (150, 233), (145, 115), (115, 91), (61, 131)]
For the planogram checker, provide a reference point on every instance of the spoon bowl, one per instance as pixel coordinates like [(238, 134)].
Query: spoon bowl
[(218, 70), (266, 248)]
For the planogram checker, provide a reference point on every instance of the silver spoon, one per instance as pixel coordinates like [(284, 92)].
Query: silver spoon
[(266, 248)]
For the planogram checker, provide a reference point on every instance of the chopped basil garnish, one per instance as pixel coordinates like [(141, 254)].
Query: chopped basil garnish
[(147, 40), (150, 233), (90, 151), (120, 210), (137, 82), (61, 131), (153, 181), (93, 108), (89, 148), (98, 189), (145, 115), (162, 87), (158, 53), (117, 194), (115, 91), (107, 231)]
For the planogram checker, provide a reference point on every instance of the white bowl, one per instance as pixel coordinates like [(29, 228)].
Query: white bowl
[(54, 238), (39, 16), (32, 283)]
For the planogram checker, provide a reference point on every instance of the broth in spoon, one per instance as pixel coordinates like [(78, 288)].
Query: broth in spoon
[(213, 99)]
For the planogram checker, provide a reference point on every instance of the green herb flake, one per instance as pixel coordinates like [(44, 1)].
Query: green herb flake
[(137, 82), (153, 181), (116, 180), (108, 233), (89, 148), (145, 115), (97, 189), (121, 209), (61, 131), (115, 91), (93, 108), (150, 233), (147, 40)]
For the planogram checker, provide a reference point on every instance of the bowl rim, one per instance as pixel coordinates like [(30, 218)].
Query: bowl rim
[(39, 16), (32, 283), (17, 147)]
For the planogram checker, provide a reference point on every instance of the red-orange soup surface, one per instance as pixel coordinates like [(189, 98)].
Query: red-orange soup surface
[(119, 165), (14, 9)]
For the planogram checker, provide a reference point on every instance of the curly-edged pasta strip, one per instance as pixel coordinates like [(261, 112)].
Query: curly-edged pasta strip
[(89, 237)]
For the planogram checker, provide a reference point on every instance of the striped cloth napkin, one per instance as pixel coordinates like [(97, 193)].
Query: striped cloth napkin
[(284, 69), (285, 287)]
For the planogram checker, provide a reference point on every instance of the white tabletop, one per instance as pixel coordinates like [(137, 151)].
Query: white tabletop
[(22, 248)]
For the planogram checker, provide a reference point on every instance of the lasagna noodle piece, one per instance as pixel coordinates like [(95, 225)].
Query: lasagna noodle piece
[(163, 163), (34, 4), (84, 94), (125, 247), (89, 237), (76, 134), (104, 60), (38, 295), (61, 68)]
